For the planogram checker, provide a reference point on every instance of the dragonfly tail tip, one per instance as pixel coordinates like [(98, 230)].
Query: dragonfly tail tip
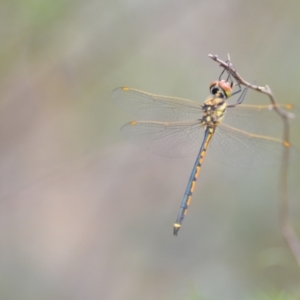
[(176, 228)]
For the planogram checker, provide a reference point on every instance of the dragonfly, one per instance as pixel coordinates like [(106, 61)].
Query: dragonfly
[(237, 134)]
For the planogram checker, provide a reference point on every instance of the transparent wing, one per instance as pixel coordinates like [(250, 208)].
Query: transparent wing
[(155, 107), (239, 148), (175, 139), (260, 119)]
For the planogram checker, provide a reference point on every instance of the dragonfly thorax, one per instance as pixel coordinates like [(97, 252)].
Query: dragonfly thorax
[(213, 111)]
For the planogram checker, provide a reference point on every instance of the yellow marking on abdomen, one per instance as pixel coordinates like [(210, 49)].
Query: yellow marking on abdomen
[(197, 172), (188, 202), (193, 186), (286, 144), (132, 123), (125, 88)]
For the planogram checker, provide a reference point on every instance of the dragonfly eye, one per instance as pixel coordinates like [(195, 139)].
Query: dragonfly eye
[(217, 90), (226, 88)]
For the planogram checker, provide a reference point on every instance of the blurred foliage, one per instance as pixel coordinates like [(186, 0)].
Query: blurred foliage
[(275, 296), (260, 296)]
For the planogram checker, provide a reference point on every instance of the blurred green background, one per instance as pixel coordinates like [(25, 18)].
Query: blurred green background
[(86, 215)]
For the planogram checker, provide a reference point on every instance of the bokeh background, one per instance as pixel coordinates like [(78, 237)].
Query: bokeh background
[(86, 215)]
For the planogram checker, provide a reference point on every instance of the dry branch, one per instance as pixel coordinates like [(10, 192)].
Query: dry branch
[(287, 230)]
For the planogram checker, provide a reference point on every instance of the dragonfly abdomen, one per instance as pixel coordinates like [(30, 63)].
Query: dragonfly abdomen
[(192, 181)]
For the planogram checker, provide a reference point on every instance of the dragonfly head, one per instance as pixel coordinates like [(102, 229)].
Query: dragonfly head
[(221, 89)]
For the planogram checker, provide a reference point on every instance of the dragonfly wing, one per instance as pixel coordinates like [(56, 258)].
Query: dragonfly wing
[(174, 139), (239, 148), (260, 119), (156, 107)]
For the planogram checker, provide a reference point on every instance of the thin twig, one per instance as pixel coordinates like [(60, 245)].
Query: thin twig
[(262, 89), (287, 230)]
